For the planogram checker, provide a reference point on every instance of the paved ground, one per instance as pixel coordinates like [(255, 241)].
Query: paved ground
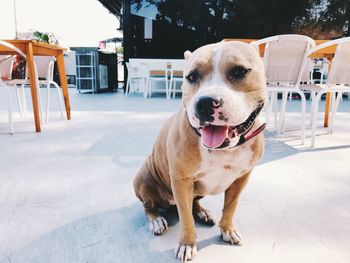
[(66, 193)]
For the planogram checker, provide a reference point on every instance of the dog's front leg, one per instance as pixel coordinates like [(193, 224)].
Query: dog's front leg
[(182, 187), (228, 232)]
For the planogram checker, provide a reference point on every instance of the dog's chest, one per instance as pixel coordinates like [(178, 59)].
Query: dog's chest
[(219, 169)]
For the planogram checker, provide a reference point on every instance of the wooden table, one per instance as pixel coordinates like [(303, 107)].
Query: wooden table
[(32, 48), (327, 53)]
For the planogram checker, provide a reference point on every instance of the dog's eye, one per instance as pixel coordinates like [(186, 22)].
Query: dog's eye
[(237, 73), (193, 77)]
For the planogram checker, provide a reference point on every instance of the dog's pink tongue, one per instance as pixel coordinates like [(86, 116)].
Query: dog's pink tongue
[(213, 136)]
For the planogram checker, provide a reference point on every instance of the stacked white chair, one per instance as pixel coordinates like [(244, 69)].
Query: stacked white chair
[(338, 81), (285, 57), (165, 71), (138, 78), (45, 70)]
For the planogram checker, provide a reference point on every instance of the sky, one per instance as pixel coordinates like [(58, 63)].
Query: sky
[(73, 22)]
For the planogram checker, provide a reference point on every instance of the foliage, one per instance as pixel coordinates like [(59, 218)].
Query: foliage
[(213, 20), (48, 38)]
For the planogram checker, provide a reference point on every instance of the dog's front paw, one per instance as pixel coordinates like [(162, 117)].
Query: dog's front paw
[(158, 225), (185, 252), (231, 236)]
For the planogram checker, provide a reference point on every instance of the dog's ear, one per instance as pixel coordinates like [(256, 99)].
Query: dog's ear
[(187, 54)]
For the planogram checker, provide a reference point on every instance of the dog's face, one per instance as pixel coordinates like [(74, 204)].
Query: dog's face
[(223, 91)]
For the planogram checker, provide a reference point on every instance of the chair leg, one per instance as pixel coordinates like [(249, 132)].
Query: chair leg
[(337, 101), (127, 87), (271, 106), (275, 108), (40, 104), (303, 113), (282, 112), (47, 102), (9, 110), (24, 103), (19, 100), (144, 87), (146, 91), (149, 88), (167, 89), (313, 100), (283, 126), (333, 95), (59, 94), (334, 110), (174, 87), (137, 85), (268, 106), (314, 119)]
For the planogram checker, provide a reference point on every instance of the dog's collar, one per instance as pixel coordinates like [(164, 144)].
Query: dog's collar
[(243, 130), (244, 137)]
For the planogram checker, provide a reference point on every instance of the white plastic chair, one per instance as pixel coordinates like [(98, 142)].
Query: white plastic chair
[(138, 73), (284, 60), (163, 77), (337, 83), (7, 81), (45, 67)]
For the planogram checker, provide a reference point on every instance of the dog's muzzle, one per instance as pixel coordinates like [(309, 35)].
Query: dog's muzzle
[(224, 137)]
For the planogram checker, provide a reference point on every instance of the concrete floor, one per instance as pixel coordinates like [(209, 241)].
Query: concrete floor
[(66, 193)]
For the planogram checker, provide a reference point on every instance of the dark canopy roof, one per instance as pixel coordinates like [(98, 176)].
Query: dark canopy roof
[(114, 6)]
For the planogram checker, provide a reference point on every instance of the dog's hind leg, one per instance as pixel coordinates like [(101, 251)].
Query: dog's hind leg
[(201, 214), (145, 187)]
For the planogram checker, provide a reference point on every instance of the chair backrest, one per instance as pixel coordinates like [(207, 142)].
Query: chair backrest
[(178, 64), (137, 70), (6, 64), (340, 69), (45, 66), (285, 57), (306, 76)]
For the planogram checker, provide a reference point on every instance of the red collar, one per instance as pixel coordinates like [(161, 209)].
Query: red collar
[(244, 136)]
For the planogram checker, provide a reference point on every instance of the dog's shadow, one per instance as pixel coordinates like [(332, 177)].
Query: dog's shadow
[(120, 235)]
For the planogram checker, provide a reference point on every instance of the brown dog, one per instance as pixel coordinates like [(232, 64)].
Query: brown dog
[(210, 145)]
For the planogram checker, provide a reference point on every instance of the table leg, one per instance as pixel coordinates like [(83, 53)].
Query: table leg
[(327, 109), (33, 87), (63, 79)]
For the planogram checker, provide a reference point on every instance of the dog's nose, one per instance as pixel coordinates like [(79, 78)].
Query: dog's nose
[(205, 108)]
